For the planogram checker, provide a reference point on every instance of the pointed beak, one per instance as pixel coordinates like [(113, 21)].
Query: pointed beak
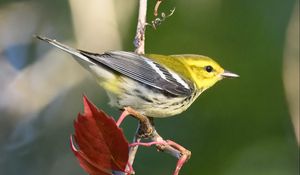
[(227, 74)]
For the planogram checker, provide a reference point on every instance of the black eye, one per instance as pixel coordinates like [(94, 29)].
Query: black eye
[(209, 68)]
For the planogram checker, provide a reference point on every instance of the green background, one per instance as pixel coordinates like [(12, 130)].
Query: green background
[(239, 127)]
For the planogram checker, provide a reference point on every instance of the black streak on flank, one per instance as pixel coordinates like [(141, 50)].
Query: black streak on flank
[(145, 98), (137, 91)]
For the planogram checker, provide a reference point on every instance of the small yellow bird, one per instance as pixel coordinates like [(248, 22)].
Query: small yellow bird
[(153, 85)]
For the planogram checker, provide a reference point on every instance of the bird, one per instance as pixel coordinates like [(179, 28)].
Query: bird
[(154, 85)]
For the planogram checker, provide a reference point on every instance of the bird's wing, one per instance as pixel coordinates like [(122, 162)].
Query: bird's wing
[(144, 70)]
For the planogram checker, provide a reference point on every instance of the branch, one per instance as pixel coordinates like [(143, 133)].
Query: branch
[(147, 130), (133, 149), (139, 40), (145, 124), (139, 43)]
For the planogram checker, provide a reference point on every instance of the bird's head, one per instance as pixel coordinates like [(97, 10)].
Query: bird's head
[(204, 71)]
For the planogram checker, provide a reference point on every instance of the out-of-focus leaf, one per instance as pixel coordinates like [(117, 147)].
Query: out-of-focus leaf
[(102, 144)]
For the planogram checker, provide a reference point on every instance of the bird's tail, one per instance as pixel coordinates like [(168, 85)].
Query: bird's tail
[(101, 72), (76, 53)]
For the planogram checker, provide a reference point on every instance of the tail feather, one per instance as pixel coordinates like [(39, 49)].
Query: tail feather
[(65, 48), (92, 65)]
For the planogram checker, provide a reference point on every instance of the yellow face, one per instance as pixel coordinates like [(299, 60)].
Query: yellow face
[(204, 71), (201, 70)]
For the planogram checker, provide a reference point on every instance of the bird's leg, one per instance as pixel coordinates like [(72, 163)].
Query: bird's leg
[(124, 114)]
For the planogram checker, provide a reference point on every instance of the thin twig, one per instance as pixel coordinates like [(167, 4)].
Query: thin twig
[(133, 149), (158, 21), (139, 41), (164, 148), (158, 2)]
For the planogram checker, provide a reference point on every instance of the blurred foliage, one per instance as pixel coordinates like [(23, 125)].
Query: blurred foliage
[(239, 127)]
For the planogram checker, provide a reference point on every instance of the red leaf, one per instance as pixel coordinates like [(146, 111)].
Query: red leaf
[(102, 144)]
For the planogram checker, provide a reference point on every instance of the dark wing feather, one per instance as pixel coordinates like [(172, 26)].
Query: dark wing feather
[(141, 69)]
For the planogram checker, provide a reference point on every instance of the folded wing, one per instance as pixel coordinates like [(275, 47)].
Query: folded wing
[(144, 70)]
